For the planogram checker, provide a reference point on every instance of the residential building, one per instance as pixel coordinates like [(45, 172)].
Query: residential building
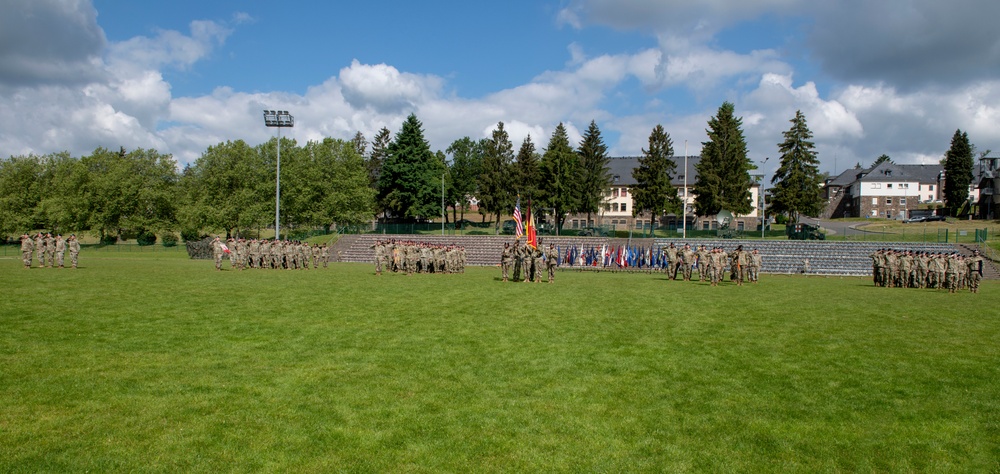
[(618, 206)]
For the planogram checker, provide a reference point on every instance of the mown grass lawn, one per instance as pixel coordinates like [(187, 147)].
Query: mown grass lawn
[(152, 362)]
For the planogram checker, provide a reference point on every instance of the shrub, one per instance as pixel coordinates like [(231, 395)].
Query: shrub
[(109, 239), (145, 238), (169, 239)]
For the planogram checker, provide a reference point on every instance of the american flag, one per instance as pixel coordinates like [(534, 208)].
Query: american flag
[(518, 225)]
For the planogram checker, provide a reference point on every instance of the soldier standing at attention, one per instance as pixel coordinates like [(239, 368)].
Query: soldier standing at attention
[(975, 272), (538, 262), (217, 253), (756, 262), (702, 256), (50, 249), (26, 247), (951, 273), (40, 250), (551, 261), (74, 250), (505, 257), (672, 262), (687, 260), (60, 249)]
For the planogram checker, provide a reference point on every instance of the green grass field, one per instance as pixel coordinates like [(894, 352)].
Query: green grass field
[(153, 362)]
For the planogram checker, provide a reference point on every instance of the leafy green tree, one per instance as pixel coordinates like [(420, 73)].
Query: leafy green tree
[(20, 193), (466, 166), (409, 181), (130, 192), (957, 172), (595, 176), (560, 174), (63, 206), (231, 186), (797, 182), (343, 195), (527, 170), (723, 180), (653, 191), (496, 190)]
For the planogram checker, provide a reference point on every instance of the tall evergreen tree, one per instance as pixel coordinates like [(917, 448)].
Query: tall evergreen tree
[(883, 158), (595, 177), (653, 191), (408, 185), (528, 173), (360, 144), (496, 191), (957, 172), (559, 176), (466, 166), (797, 182), (723, 180), (380, 151)]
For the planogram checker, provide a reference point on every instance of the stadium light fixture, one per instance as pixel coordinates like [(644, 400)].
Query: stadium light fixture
[(278, 119)]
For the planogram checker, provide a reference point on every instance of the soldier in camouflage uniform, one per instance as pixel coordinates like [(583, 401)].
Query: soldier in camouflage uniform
[(40, 249), (687, 257), (217, 253), (538, 262), (27, 246), (551, 261), (60, 250), (506, 255), (50, 249), (975, 270), (74, 250)]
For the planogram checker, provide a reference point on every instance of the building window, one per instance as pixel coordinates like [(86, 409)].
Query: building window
[(715, 225), (614, 192), (930, 187), (888, 185), (904, 185), (902, 201), (614, 207), (888, 201), (874, 212), (576, 224), (607, 207), (739, 225), (888, 213), (704, 225), (624, 192), (874, 201), (624, 205), (876, 185)]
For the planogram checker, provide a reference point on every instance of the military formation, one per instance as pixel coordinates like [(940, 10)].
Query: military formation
[(942, 271), (50, 251), (533, 261), (269, 254), (409, 257), (711, 264)]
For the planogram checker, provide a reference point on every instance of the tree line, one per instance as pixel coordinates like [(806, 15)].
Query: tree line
[(231, 186)]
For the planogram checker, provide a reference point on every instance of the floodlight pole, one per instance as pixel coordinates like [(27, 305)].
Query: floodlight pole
[(278, 119), (684, 204)]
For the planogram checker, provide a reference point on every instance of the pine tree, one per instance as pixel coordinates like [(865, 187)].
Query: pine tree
[(409, 184), (595, 177), (724, 170), (653, 191), (496, 191), (797, 182), (957, 172), (380, 150), (527, 171), (559, 175)]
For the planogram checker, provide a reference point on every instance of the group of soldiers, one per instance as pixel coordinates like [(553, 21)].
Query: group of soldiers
[(529, 259), (271, 254), (744, 266), (410, 257), (910, 269), (48, 249)]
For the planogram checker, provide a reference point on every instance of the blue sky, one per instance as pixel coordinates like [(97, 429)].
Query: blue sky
[(895, 77)]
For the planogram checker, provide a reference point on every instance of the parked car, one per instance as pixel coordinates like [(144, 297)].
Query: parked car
[(924, 219)]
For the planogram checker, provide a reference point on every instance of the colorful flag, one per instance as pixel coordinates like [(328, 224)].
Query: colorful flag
[(518, 224), (530, 228)]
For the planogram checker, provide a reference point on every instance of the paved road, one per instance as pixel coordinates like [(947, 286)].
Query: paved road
[(836, 227)]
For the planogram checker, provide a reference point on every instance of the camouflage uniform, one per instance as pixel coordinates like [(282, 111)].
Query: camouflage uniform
[(27, 246), (74, 250), (505, 258), (60, 250)]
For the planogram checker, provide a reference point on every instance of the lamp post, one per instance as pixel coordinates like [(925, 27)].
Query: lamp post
[(763, 198), (684, 203), (278, 119)]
